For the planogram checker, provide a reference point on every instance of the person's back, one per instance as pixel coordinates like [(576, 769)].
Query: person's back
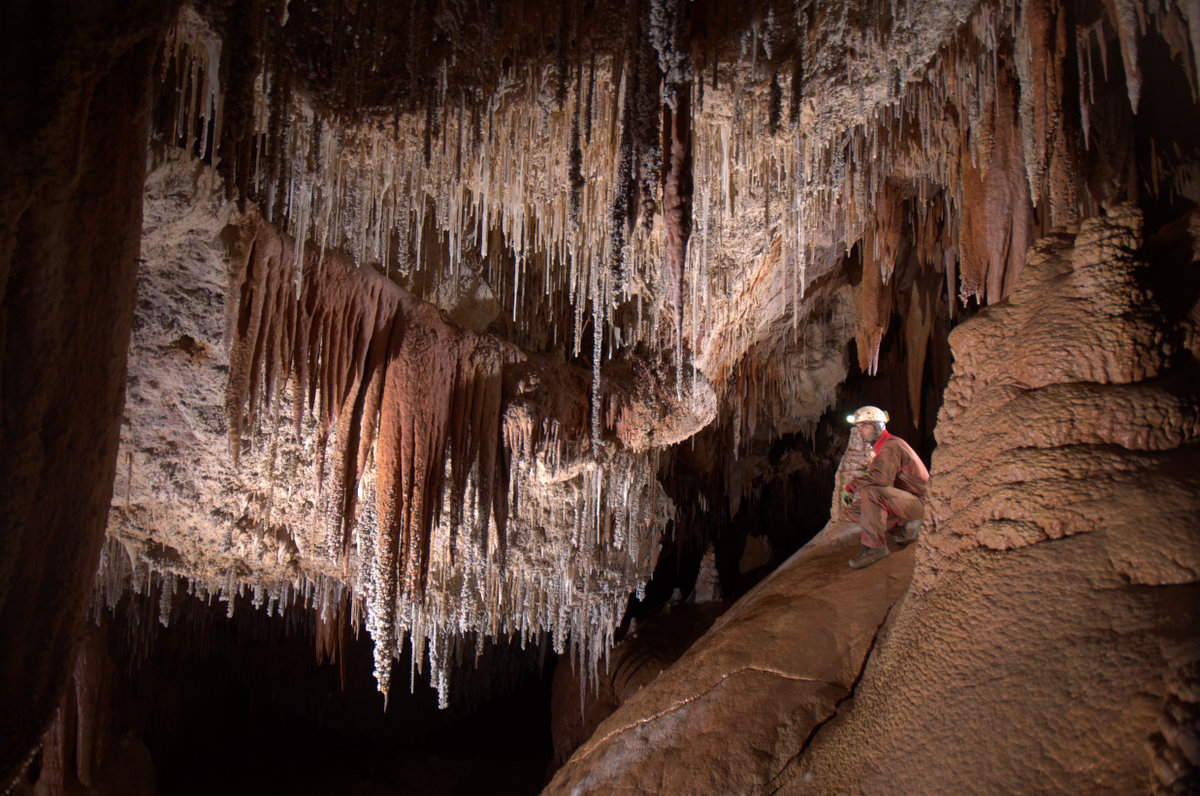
[(894, 454)]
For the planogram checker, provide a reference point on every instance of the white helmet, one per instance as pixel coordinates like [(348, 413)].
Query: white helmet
[(868, 414)]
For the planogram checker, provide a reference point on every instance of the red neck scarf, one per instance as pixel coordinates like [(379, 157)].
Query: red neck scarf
[(884, 436)]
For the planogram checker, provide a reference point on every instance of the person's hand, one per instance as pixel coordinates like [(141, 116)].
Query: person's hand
[(847, 497)]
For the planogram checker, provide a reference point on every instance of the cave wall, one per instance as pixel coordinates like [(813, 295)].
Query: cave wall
[(76, 125)]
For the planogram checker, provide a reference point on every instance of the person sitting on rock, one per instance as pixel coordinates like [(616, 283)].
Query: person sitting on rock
[(891, 493)]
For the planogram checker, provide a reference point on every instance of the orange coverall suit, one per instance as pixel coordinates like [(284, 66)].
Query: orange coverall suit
[(892, 491)]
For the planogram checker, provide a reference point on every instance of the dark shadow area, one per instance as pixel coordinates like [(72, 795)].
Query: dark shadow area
[(248, 704)]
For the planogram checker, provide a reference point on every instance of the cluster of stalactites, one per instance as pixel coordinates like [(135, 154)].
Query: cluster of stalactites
[(191, 60), (418, 407), (506, 183), (580, 546), (971, 139), (584, 537), (519, 165), (958, 164), (894, 178), (396, 380), (128, 570), (985, 152)]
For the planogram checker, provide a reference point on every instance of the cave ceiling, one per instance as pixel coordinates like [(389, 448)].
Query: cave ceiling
[(631, 221)]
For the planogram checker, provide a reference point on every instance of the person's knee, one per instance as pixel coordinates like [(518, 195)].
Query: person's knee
[(876, 496)]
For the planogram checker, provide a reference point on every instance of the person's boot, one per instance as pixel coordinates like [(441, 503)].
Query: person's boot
[(909, 532), (868, 556)]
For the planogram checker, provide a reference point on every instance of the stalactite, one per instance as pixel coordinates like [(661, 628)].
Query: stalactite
[(997, 216), (1048, 144), (774, 105), (242, 385), (241, 62), (797, 86), (1128, 18), (668, 31), (562, 44), (587, 108), (575, 172), (647, 151), (677, 196), (873, 309), (918, 330), (623, 190), (598, 319)]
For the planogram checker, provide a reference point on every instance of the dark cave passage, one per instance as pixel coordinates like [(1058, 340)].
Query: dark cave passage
[(242, 705)]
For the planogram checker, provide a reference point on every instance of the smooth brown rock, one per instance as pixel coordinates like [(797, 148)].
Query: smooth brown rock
[(731, 712), (577, 708)]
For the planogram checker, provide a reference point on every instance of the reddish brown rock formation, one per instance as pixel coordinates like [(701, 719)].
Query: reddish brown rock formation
[(997, 214)]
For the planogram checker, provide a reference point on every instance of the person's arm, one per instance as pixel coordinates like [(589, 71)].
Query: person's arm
[(847, 493), (884, 468)]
